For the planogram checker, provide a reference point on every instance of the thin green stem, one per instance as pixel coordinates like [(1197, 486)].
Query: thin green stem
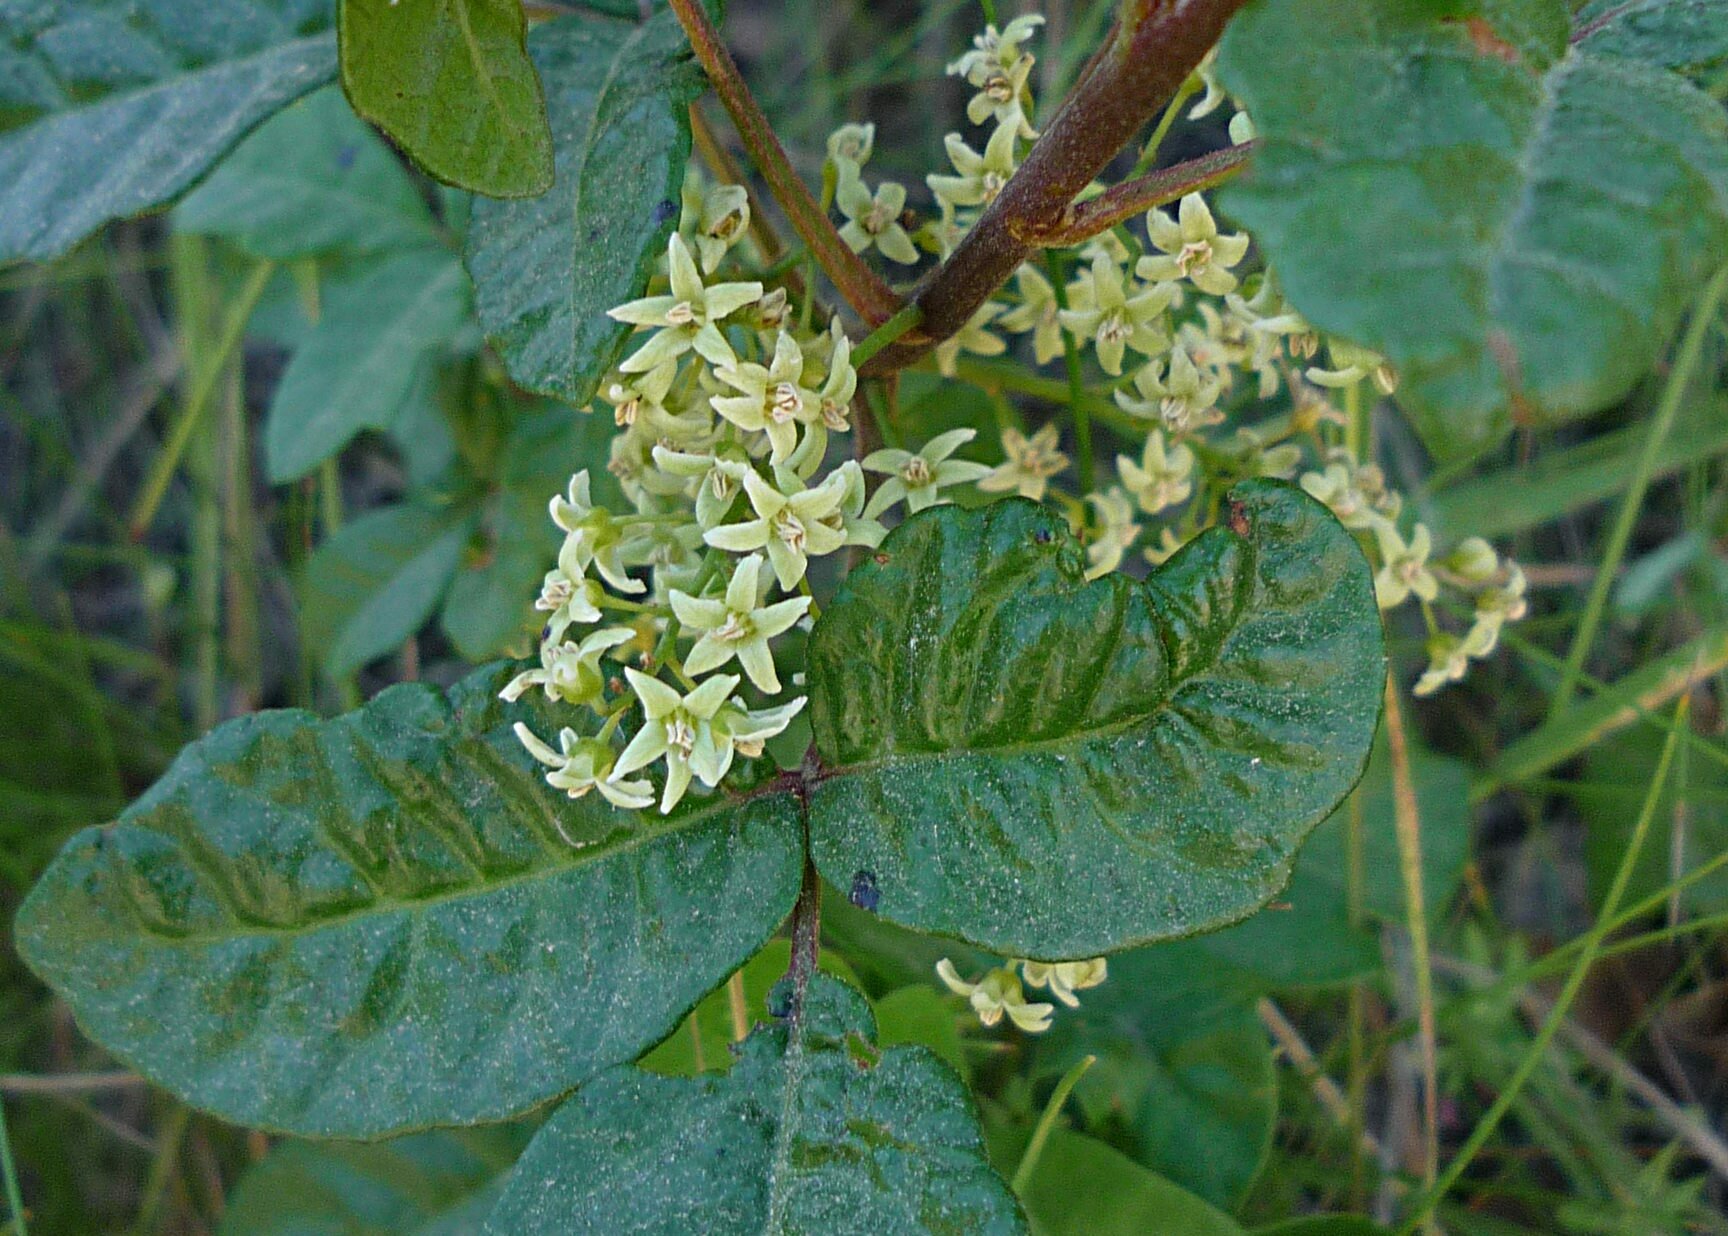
[(1574, 981), (9, 1171), (203, 386), (1620, 536), (887, 333), (1046, 1122), (1149, 156), (1084, 464)]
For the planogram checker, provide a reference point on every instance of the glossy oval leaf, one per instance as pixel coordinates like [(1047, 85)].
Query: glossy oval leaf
[(360, 364), (814, 1130), (450, 82), (384, 921), (1518, 221), (1690, 36), (106, 111), (442, 1183), (313, 179), (546, 270), (1053, 768)]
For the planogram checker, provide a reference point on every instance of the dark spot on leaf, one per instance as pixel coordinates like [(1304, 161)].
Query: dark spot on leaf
[(345, 157), (1238, 518), (881, 559), (865, 894), (1487, 41), (1043, 536), (593, 235), (545, 632), (664, 210), (780, 1000)]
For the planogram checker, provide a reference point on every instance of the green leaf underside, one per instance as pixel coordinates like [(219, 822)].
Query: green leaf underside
[(359, 364), (547, 269), (376, 582), (1055, 769), (1516, 222), (372, 924), (110, 108), (311, 180), (441, 1183), (814, 1130), (450, 82), (1081, 1187)]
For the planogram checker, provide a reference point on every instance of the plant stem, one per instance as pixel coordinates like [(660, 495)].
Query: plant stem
[(862, 287), (203, 386), (1408, 823), (1679, 378), (1083, 461), (1119, 203), (1574, 980), (1155, 46), (887, 333), (14, 1195), (1046, 1122)]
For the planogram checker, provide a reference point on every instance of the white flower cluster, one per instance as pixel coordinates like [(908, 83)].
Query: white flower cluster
[(1001, 992)]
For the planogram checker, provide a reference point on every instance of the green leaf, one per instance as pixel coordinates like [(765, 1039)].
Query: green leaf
[(311, 180), (107, 110), (1081, 1187), (426, 1184), (377, 581), (711, 1020), (1324, 1225), (814, 1130), (1053, 768), (360, 363), (371, 924), (491, 603), (1690, 36), (546, 270), (1184, 1081), (451, 84), (1310, 941), (1516, 222)]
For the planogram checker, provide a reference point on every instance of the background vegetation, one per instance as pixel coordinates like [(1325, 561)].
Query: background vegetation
[(181, 543)]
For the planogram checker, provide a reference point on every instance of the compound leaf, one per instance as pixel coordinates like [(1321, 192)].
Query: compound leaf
[(1053, 768), (813, 1130), (375, 923)]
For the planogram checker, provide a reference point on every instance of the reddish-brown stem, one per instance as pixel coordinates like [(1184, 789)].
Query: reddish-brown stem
[(863, 288), (1084, 220), (1154, 48)]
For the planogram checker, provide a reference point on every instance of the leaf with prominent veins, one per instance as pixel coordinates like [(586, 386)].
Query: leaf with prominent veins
[(1053, 768), (353, 927)]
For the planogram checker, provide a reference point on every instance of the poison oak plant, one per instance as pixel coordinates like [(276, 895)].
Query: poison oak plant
[(1037, 696)]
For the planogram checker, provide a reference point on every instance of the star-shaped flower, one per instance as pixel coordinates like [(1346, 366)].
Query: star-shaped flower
[(1116, 531), (981, 176), (1064, 978), (1192, 248), (688, 317), (1162, 478), (1184, 398), (584, 764), (792, 524), (995, 49), (570, 671), (1037, 312), (1029, 464), (724, 218), (773, 399), (875, 220), (1404, 566), (998, 992), (975, 337), (592, 536), (1115, 321), (738, 626), (919, 476), (697, 734), (719, 479)]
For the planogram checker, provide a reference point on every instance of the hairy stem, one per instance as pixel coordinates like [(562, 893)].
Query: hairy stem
[(1155, 46), (1084, 220), (862, 287)]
